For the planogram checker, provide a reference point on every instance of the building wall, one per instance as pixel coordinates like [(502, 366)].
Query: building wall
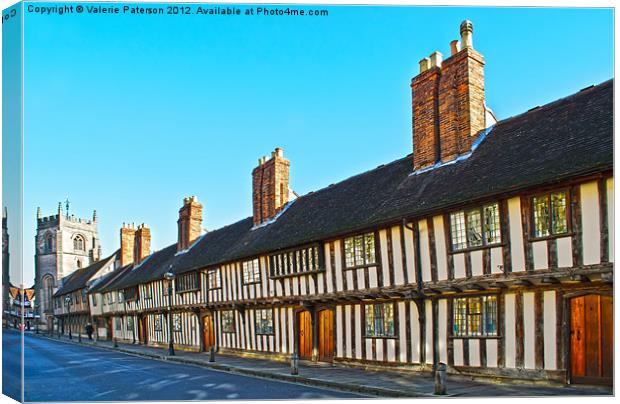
[(529, 318)]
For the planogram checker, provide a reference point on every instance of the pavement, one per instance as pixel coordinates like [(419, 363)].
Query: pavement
[(57, 371), (378, 383)]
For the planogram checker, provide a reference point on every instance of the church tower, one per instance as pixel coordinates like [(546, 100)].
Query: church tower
[(63, 244)]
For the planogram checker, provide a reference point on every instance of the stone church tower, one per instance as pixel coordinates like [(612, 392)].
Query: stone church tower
[(63, 244)]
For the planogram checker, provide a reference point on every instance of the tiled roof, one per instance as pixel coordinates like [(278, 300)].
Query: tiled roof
[(102, 283), (152, 268), (568, 138), (79, 278)]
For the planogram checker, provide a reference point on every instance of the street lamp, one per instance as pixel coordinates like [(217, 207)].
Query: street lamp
[(169, 276), (68, 300)]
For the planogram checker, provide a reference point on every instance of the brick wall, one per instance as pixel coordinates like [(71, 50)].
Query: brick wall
[(189, 223), (448, 103), (270, 183), (142, 245), (128, 235)]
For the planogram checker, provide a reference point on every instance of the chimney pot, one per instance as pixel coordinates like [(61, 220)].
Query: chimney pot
[(467, 31), (455, 47), (425, 64), (436, 59)]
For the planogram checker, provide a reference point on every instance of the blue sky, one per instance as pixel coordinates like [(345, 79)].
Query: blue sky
[(129, 114)]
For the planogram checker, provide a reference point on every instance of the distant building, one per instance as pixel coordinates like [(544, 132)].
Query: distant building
[(21, 307), (63, 244), (5, 268)]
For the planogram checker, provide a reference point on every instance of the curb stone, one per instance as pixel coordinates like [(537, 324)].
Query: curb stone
[(309, 381)]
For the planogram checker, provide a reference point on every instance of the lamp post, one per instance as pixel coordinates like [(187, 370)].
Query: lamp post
[(68, 300), (169, 276)]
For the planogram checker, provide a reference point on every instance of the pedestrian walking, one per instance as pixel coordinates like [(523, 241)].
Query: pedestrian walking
[(89, 331)]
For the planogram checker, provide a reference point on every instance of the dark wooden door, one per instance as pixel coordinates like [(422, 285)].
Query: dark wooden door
[(326, 336), (110, 329), (592, 340), (208, 334), (305, 335), (145, 329), (141, 331)]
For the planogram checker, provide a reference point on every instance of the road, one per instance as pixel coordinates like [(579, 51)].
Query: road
[(57, 371)]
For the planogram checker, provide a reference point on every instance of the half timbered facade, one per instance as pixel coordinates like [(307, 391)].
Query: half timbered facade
[(489, 249)]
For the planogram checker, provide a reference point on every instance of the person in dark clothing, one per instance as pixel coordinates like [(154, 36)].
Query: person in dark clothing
[(89, 331)]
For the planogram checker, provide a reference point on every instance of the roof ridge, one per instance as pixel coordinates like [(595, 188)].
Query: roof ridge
[(584, 91)]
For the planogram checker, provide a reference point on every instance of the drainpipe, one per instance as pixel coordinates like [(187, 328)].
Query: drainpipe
[(419, 300)]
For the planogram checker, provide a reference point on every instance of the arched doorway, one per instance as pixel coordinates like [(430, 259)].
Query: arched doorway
[(591, 339)]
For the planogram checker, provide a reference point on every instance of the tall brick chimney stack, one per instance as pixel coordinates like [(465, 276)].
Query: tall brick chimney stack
[(270, 186), (128, 236), (448, 103), (190, 222), (142, 243)]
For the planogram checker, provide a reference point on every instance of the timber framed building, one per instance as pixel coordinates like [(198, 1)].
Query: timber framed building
[(489, 249)]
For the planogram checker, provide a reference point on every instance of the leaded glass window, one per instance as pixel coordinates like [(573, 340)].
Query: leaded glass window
[(176, 322), (359, 250), (214, 279), (264, 321), (550, 214), (475, 227), (379, 320), (228, 321), (474, 316), (251, 271), (295, 262)]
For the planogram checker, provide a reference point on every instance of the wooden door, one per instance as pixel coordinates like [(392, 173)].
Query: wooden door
[(145, 329), (110, 328), (592, 340), (326, 336), (141, 331), (208, 334), (305, 335)]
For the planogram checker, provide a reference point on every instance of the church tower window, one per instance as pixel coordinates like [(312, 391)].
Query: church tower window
[(78, 243)]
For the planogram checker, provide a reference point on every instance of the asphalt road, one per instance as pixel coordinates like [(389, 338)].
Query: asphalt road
[(56, 371)]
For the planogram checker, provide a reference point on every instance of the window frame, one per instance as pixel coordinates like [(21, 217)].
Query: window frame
[(480, 208), (385, 335), (532, 217), (365, 254), (79, 243), (298, 261), (183, 285), (177, 322), (148, 295), (255, 273), (258, 326), (483, 317), (130, 297), (212, 272), (230, 315), (158, 323)]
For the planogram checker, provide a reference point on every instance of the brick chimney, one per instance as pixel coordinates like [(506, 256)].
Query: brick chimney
[(128, 235), (142, 244), (190, 222), (448, 103), (270, 186)]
